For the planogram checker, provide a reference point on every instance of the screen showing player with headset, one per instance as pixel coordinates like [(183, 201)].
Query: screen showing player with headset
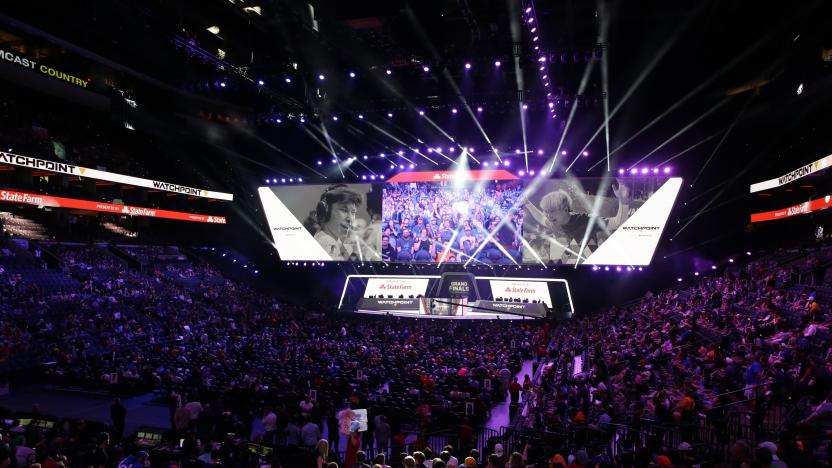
[(343, 219)]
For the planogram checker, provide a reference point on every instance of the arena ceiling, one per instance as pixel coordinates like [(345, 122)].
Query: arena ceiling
[(709, 88)]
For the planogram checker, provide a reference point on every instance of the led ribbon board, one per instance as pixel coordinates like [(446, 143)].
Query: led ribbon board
[(80, 171), (798, 173), (817, 204), (11, 196)]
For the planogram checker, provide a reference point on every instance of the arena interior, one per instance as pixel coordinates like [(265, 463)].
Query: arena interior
[(415, 234)]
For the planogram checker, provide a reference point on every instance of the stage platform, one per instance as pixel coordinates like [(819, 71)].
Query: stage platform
[(465, 316)]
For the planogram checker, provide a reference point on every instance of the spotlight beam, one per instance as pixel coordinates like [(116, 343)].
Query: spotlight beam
[(722, 140), (633, 87), (689, 148), (325, 146), (392, 137), (683, 130), (730, 65), (581, 88)]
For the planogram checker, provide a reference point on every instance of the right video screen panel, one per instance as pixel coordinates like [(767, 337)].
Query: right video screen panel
[(597, 221)]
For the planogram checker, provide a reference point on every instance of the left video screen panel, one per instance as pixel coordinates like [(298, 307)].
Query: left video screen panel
[(337, 222)]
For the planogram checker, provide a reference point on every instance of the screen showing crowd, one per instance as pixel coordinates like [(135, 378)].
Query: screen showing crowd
[(437, 222), (491, 222)]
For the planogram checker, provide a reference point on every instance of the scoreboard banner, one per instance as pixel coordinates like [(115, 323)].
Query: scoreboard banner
[(395, 286), (510, 289), (80, 171), (817, 204), (11, 196), (798, 173)]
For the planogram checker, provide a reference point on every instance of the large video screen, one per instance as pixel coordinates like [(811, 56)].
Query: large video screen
[(429, 222), (469, 218)]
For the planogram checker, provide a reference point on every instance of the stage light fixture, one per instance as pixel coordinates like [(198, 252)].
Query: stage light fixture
[(453, 111), (363, 177), (585, 153), (334, 161), (621, 171), (381, 176), (438, 149), (679, 280), (533, 30), (522, 173), (412, 166), (748, 253), (222, 84), (300, 179), (713, 267), (426, 69), (421, 112), (525, 106), (321, 77), (540, 152), (400, 153), (528, 9), (667, 170), (470, 149), (497, 63), (485, 164), (644, 170), (695, 273), (800, 89), (401, 166), (430, 150), (506, 163), (335, 118), (633, 171), (382, 155), (365, 157), (390, 115), (531, 172), (352, 74), (287, 79), (361, 116), (373, 177), (320, 163), (730, 260), (261, 82), (563, 153), (530, 20), (534, 39), (282, 181), (388, 71), (479, 109), (606, 268), (639, 268)]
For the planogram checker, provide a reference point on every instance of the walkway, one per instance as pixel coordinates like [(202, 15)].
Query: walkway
[(499, 414)]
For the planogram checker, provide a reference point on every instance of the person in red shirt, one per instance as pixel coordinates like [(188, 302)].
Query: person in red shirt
[(514, 390)]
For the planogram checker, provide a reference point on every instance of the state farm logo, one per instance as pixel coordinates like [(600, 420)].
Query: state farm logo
[(800, 209), (395, 286), (442, 176), (514, 289)]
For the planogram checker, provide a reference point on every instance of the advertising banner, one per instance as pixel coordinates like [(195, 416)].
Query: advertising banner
[(796, 210), (71, 169), (393, 286), (11, 196), (508, 290), (798, 173)]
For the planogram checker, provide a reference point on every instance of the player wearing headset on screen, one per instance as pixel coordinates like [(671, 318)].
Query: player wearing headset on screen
[(565, 229), (335, 214)]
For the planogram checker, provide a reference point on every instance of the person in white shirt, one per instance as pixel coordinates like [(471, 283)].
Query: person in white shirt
[(269, 425)]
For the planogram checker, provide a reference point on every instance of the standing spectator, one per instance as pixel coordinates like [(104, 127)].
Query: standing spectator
[(118, 416), (310, 434), (269, 425), (382, 434)]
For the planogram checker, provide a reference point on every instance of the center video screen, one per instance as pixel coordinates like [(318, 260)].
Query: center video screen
[(439, 219), (427, 222)]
